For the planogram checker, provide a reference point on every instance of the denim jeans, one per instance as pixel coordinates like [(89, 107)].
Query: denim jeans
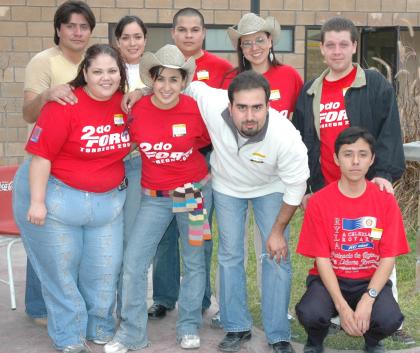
[(34, 301), (166, 273), (153, 219), (276, 278), (131, 207), (77, 256)]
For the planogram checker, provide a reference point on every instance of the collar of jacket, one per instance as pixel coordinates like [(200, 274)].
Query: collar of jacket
[(316, 90), (253, 139)]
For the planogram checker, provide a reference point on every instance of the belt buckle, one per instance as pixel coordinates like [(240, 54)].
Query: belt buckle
[(123, 185)]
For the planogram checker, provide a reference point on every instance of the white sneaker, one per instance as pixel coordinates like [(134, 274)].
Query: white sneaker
[(76, 348), (115, 347), (100, 342), (190, 341)]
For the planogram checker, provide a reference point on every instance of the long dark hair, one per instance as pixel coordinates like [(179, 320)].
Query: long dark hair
[(119, 28), (244, 64), (91, 54)]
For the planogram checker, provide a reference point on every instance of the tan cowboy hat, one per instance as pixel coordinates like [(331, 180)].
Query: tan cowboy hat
[(250, 23), (168, 56)]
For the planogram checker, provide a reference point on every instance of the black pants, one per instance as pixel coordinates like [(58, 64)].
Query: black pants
[(316, 309)]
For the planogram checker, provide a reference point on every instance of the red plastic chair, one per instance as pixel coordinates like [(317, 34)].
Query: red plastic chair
[(8, 228)]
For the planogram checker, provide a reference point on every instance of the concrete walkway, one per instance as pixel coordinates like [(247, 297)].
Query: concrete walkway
[(18, 334)]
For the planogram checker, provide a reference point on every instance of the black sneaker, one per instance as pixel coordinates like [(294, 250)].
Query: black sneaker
[(282, 347), (233, 341), (402, 336), (313, 349), (379, 348), (157, 311)]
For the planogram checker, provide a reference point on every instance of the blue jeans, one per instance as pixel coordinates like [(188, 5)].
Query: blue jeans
[(131, 207), (153, 219), (77, 256), (34, 301), (276, 278), (166, 274)]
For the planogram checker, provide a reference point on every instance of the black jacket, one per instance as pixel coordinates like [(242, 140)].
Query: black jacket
[(370, 103)]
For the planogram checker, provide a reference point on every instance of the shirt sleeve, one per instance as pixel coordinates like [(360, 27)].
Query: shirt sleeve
[(292, 162), (297, 89), (50, 132), (393, 240), (313, 239), (37, 75), (211, 101)]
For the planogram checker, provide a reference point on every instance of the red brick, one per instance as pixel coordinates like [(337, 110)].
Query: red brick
[(379, 19), (317, 5), (293, 5), (284, 17), (26, 13), (5, 44), (215, 4), (239, 5), (272, 5), (27, 44), (179, 4), (15, 120), (305, 18), (15, 149), (158, 4), (5, 13), (147, 15), (394, 5), (413, 5), (227, 17), (41, 3), (340, 5), (368, 5), (11, 89), (130, 3), (101, 3), (17, 28)]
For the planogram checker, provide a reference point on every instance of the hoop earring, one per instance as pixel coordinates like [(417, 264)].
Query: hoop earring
[(243, 61)]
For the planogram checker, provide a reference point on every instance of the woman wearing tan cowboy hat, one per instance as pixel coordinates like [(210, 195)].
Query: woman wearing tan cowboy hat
[(254, 38), (175, 181)]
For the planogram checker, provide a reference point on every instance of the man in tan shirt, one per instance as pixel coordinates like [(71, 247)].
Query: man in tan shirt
[(46, 78)]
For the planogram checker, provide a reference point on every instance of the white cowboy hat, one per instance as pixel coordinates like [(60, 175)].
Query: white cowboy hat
[(168, 56), (250, 23)]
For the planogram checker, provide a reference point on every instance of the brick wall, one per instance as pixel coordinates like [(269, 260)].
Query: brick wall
[(26, 28)]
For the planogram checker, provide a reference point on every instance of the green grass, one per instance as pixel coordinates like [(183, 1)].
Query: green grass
[(409, 300)]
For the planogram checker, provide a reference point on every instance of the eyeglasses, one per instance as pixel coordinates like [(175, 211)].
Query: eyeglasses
[(259, 42)]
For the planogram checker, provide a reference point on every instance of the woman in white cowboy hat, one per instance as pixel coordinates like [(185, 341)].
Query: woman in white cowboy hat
[(175, 181), (254, 38)]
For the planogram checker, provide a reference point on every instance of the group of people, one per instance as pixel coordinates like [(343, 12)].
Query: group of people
[(132, 151)]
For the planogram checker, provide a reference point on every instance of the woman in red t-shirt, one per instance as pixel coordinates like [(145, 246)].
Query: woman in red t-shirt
[(254, 39), (169, 131), (70, 217)]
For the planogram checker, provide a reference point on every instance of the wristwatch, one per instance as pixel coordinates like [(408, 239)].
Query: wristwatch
[(372, 292)]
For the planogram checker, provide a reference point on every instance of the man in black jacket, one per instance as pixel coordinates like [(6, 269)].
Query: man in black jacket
[(346, 95)]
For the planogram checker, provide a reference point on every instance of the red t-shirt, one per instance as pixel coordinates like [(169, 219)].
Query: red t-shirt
[(85, 142), (285, 84), (211, 69), (333, 120), (169, 141), (354, 233)]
